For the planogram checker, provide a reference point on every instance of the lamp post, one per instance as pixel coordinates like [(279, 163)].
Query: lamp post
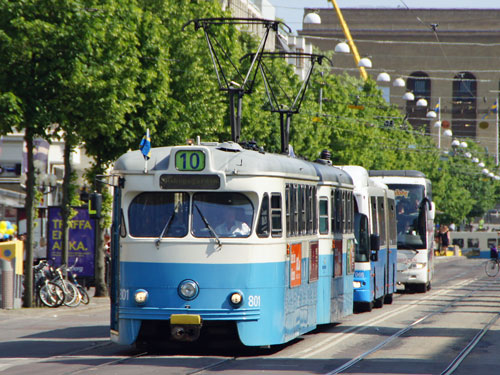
[(314, 18)]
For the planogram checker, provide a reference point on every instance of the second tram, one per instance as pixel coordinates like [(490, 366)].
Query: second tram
[(376, 250)]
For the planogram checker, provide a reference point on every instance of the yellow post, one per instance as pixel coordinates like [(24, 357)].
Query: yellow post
[(347, 34)]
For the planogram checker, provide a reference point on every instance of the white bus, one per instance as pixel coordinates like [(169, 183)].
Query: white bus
[(415, 221)]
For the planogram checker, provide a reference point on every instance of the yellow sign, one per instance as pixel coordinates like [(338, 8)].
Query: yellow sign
[(10, 250)]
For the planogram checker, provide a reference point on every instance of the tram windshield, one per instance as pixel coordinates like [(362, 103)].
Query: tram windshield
[(152, 214), (410, 215), (225, 214), (166, 214), (362, 238)]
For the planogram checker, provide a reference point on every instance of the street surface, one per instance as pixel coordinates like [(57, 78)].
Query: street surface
[(453, 328)]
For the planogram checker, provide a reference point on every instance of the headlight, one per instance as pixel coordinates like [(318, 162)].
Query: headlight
[(141, 296), (236, 299), (418, 266), (188, 289), (356, 284)]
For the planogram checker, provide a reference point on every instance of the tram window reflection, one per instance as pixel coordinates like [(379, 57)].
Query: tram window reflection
[(227, 214), (152, 213)]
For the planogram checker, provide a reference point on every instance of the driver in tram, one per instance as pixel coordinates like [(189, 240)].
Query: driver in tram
[(234, 224)]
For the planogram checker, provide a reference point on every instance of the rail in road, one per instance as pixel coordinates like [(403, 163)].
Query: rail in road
[(453, 329)]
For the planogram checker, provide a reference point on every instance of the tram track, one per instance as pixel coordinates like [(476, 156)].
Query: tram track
[(455, 363)]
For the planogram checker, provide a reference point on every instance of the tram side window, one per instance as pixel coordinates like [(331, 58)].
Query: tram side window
[(392, 222), (473, 243), (344, 212), (381, 216), (323, 215), (315, 210), (123, 228), (152, 213), (301, 209), (263, 224), (373, 203), (309, 210), (276, 227), (287, 209), (349, 212), (338, 211)]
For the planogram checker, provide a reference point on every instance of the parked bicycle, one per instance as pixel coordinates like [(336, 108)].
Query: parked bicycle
[(492, 267), (85, 299), (47, 292), (71, 293)]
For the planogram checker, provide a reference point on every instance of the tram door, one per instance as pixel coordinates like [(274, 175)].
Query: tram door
[(115, 259)]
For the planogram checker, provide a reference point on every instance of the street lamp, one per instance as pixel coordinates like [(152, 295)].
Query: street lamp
[(408, 96), (312, 19), (342, 47), (399, 82), (421, 102), (383, 77)]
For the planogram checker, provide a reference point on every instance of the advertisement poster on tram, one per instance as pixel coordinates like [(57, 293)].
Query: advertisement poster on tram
[(81, 240)]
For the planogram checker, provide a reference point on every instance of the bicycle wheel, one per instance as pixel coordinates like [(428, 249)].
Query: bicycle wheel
[(491, 267), (51, 295), (84, 295), (72, 296)]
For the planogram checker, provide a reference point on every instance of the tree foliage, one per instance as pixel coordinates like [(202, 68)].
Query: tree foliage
[(102, 72)]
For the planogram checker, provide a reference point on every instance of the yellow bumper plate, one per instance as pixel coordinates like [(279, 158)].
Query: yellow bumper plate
[(185, 319)]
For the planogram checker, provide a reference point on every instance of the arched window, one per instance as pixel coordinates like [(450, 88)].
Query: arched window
[(420, 84), (464, 105)]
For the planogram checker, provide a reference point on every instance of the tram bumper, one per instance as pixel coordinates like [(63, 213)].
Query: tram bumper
[(185, 327)]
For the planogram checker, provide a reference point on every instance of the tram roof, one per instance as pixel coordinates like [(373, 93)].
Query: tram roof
[(397, 173), (245, 162)]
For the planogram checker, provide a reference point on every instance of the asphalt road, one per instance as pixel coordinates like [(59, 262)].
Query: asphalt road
[(454, 328)]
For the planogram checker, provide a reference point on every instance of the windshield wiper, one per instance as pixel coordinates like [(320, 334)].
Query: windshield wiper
[(165, 228), (212, 231)]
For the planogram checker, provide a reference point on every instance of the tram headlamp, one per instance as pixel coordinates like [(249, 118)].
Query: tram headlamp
[(418, 266), (356, 284), (236, 299), (188, 289), (141, 296)]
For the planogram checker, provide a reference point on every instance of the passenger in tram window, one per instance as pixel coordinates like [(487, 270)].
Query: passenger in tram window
[(493, 252), (234, 224)]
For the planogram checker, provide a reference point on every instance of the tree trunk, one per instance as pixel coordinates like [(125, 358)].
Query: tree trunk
[(66, 200), (101, 288), (28, 207)]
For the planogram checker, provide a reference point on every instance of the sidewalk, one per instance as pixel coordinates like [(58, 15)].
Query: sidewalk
[(96, 303)]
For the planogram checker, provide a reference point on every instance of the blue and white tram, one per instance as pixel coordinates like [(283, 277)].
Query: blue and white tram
[(376, 248), (179, 276)]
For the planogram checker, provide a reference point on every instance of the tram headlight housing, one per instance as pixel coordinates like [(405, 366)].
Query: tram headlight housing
[(188, 289), (141, 296), (236, 299), (418, 266), (356, 284)]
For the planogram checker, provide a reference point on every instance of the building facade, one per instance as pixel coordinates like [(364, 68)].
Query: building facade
[(446, 56)]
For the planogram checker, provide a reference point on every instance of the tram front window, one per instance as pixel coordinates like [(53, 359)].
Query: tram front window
[(225, 214), (410, 215), (362, 238), (152, 213)]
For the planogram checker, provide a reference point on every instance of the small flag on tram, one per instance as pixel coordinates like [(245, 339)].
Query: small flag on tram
[(145, 146)]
